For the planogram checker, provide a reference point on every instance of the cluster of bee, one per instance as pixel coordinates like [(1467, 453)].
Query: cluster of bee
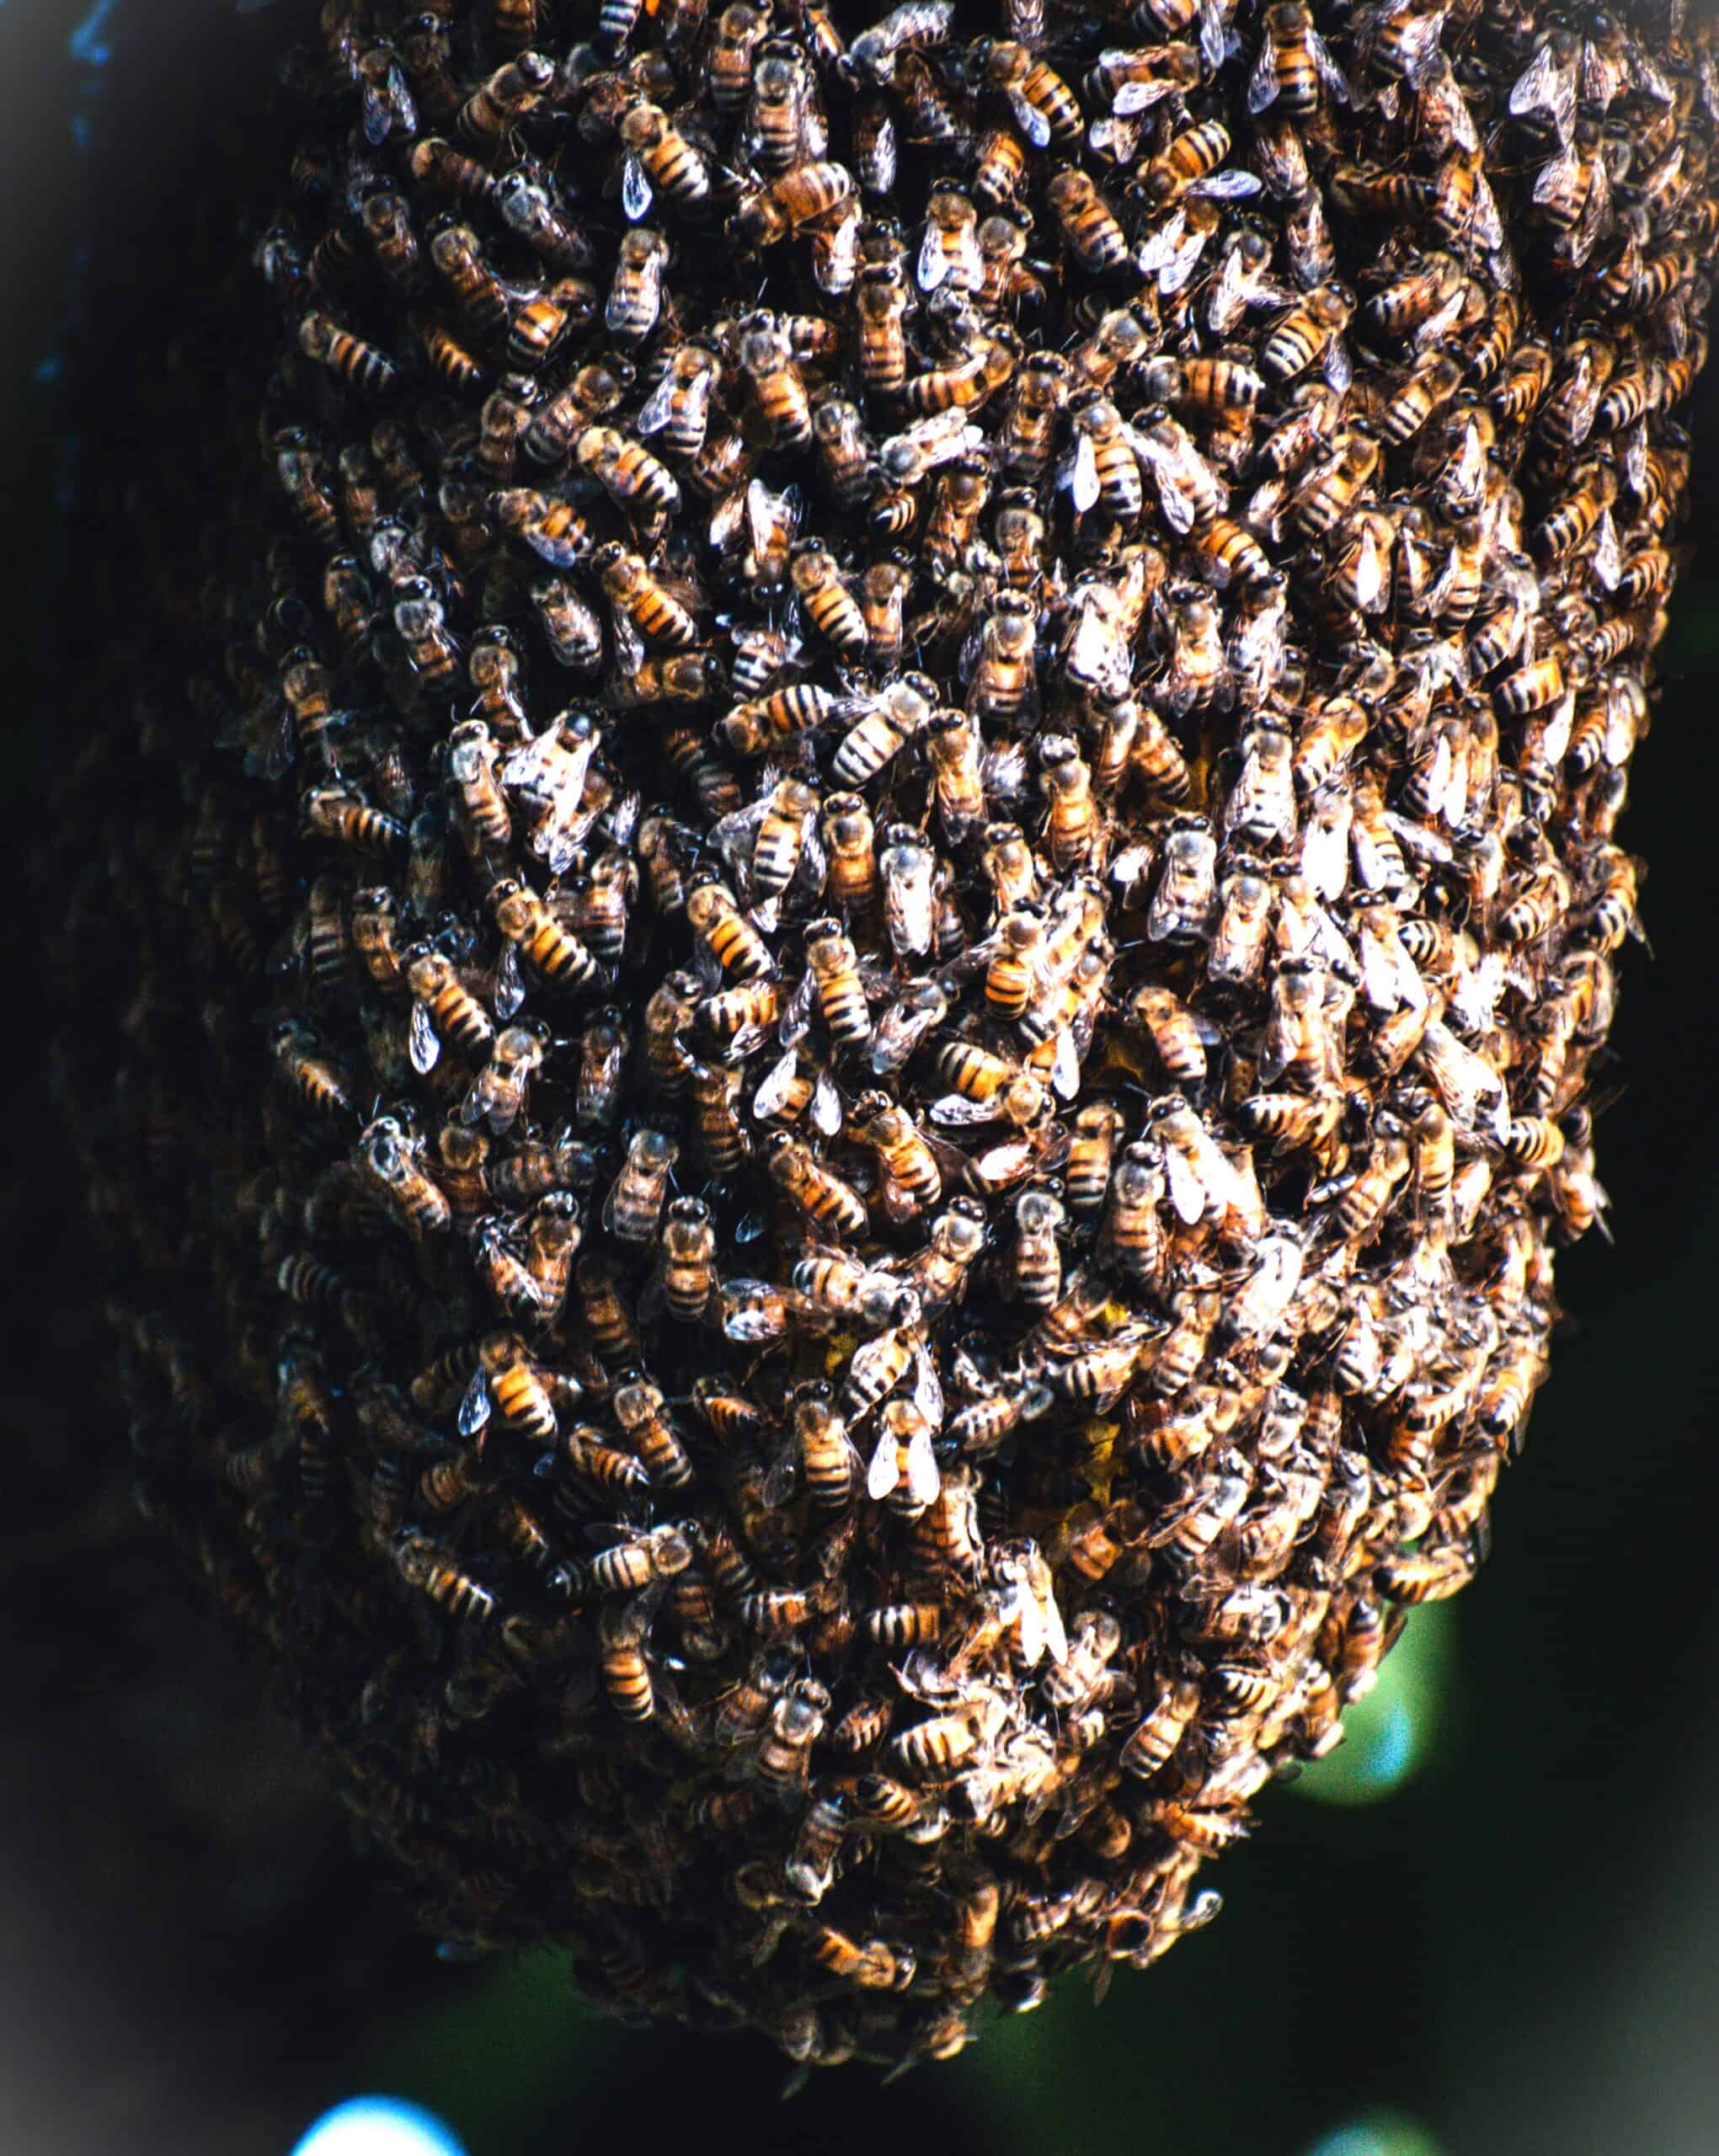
[(870, 946)]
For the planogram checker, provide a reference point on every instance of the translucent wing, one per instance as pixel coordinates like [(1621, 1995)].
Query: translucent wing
[(425, 1045), (1056, 1636), (1033, 123), (509, 987), (1188, 1191), (927, 1389), (1214, 36), (1545, 86), (883, 1473), (1083, 482), (1065, 1068), (1140, 97), (773, 1095), (1262, 85), (1232, 185), (959, 1113), (1160, 242), (933, 264), (1334, 78), (635, 189), (658, 408), (826, 1105), (474, 1406), (923, 1479)]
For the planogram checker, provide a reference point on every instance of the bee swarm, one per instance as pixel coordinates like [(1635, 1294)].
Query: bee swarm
[(869, 945)]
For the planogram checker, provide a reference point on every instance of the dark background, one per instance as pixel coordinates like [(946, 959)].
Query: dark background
[(1491, 1924)]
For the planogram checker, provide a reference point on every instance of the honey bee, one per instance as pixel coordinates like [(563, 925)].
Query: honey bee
[(426, 1567), (796, 1721), (348, 359), (1045, 108), (715, 1092), (443, 1008), (555, 427), (880, 298), (1027, 437), (622, 1629), (1089, 225), (811, 192), (631, 476), (714, 916), (529, 925), (825, 1199), (911, 1179), (389, 1157), (639, 1409), (436, 164), (635, 299), (498, 1093), (1103, 472), (513, 89), (635, 1203), (1310, 332), (829, 604)]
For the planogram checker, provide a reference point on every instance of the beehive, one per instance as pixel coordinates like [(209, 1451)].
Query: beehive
[(868, 948)]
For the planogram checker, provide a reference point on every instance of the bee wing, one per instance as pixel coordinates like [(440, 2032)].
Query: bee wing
[(1175, 273), (774, 1090), (1082, 480), (509, 987), (635, 188), (923, 1479), (959, 1113), (1176, 497), (1032, 122), (1056, 1638), (1216, 40), (425, 1045), (783, 1480), (796, 1020), (932, 266), (1378, 973), (1232, 185), (1140, 97), (814, 868), (1066, 1066), (971, 645), (1262, 85), (884, 1471), (825, 1110), (1596, 213), (1338, 368), (1330, 73), (474, 1405), (928, 1392), (1554, 173), (1543, 86), (525, 768), (1608, 559), (1160, 242), (726, 520), (1187, 1189), (659, 407)]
